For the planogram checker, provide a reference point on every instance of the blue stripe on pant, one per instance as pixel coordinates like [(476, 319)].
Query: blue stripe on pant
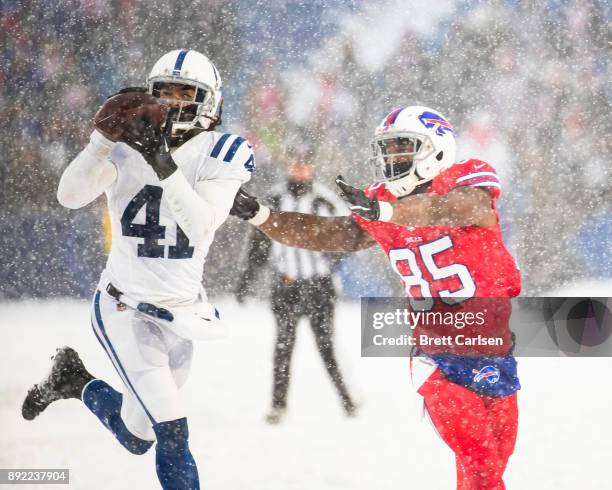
[(113, 356)]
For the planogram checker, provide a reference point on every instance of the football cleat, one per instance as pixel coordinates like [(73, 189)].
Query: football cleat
[(67, 379)]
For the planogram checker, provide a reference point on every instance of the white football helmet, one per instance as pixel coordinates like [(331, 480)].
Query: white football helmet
[(410, 147), (188, 67)]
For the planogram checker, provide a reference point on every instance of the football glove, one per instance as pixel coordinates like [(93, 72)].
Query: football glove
[(153, 144), (357, 200), (135, 117), (245, 206)]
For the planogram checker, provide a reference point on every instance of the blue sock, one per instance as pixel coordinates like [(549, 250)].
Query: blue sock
[(105, 403), (176, 468)]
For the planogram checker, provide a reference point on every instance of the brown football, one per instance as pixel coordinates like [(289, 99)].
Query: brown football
[(121, 114)]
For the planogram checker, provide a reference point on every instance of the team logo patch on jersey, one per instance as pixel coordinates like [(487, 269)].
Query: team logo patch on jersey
[(414, 239), (431, 119), (490, 373)]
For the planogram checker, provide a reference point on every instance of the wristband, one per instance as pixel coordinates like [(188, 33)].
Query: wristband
[(386, 211), (262, 215)]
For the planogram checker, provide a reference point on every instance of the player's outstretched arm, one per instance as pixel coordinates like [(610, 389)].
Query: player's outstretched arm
[(308, 231), (319, 233), (465, 206)]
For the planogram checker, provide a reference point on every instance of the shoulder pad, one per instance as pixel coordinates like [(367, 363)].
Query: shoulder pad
[(469, 173), (234, 154)]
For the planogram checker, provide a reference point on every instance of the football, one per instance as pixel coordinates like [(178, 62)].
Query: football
[(121, 117)]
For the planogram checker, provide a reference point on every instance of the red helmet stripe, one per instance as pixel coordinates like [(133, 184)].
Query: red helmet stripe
[(392, 117), (441, 122)]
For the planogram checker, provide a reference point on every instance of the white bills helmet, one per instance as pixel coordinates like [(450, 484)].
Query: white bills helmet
[(410, 147), (188, 67)]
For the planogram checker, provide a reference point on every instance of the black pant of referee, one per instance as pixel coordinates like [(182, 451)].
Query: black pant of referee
[(313, 298)]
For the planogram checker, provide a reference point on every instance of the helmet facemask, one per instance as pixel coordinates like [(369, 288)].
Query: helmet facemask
[(189, 114), (396, 155)]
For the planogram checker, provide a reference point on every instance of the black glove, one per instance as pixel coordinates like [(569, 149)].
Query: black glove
[(153, 144), (357, 200), (245, 206)]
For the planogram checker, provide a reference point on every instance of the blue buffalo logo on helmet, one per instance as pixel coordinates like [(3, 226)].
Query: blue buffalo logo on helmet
[(431, 119), (490, 373)]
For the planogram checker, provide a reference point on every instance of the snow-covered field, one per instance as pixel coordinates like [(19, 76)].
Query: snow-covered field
[(565, 438)]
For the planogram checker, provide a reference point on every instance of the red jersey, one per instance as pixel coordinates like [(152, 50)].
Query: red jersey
[(443, 261), (450, 263)]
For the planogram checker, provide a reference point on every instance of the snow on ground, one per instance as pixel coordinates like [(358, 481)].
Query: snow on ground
[(564, 442)]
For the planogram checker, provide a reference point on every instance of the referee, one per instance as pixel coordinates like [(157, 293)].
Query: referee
[(302, 283)]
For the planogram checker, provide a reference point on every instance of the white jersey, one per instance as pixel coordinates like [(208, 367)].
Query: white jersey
[(152, 258)]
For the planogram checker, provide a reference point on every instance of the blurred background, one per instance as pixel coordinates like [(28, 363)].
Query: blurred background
[(525, 84)]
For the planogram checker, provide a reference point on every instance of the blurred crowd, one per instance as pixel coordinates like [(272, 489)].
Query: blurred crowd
[(526, 85), (59, 60)]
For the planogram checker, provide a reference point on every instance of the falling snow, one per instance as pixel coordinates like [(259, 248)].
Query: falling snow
[(527, 88)]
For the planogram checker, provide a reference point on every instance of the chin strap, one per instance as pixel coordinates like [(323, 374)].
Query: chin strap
[(176, 141), (403, 191), (407, 185), (399, 188)]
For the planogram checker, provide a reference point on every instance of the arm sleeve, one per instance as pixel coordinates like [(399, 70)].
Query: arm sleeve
[(88, 175), (203, 209)]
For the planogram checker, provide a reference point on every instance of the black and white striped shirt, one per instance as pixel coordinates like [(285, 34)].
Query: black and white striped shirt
[(298, 263)]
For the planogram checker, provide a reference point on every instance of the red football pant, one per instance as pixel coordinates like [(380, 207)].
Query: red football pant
[(481, 430)]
